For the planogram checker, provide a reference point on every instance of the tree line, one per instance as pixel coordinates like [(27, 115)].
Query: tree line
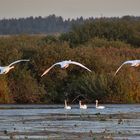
[(102, 46), (37, 25), (56, 24)]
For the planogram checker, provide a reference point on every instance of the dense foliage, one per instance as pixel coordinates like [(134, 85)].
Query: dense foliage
[(101, 48), (126, 29)]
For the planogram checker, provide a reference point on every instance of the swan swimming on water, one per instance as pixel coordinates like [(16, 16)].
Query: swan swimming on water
[(6, 69), (65, 64), (99, 107), (133, 63), (66, 106), (82, 106)]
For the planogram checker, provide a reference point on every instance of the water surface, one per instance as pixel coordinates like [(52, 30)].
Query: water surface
[(54, 122)]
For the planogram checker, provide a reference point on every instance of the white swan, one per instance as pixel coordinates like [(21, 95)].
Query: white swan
[(82, 106), (65, 64), (6, 69), (99, 107), (66, 106), (133, 63)]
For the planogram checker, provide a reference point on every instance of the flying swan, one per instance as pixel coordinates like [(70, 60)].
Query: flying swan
[(133, 63), (65, 64), (6, 69)]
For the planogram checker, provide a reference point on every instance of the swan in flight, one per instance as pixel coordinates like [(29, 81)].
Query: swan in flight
[(133, 63), (6, 69), (82, 106), (65, 64), (99, 107), (66, 106)]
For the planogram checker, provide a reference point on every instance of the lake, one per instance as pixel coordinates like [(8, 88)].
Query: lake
[(53, 122)]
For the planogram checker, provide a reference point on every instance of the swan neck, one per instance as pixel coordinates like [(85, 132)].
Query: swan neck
[(65, 103), (80, 103), (96, 104)]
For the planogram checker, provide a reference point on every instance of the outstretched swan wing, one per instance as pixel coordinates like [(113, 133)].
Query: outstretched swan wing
[(18, 61), (79, 64), (46, 71), (126, 62)]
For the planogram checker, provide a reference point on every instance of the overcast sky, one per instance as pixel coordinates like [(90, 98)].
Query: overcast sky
[(68, 8)]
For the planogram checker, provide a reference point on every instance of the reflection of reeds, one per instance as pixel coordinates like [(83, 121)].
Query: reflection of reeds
[(26, 138), (90, 133), (102, 119), (11, 137), (120, 121), (5, 132), (98, 113)]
